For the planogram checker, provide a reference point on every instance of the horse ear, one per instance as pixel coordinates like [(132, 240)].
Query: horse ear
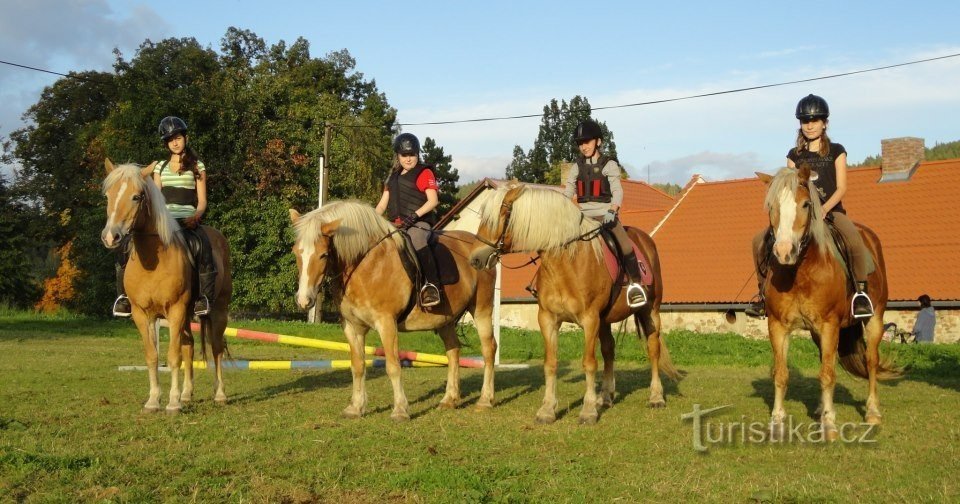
[(330, 228), (764, 177), (803, 171), (294, 216), (147, 171), (108, 164)]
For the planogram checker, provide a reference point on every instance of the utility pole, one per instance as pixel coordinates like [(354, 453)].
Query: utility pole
[(323, 175)]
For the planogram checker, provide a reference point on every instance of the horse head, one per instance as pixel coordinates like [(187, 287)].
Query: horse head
[(312, 250), (134, 203), (494, 224), (794, 213)]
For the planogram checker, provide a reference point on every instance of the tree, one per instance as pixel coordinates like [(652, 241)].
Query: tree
[(447, 176), (554, 145), (18, 252)]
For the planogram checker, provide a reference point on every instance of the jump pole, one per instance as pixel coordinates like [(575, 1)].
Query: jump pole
[(285, 365), (285, 339)]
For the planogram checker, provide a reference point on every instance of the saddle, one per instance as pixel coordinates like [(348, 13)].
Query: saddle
[(442, 257), (614, 261)]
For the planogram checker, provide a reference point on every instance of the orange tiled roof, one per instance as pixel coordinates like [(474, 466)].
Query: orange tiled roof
[(704, 244)]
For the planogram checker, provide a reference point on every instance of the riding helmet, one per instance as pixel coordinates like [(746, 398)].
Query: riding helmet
[(406, 143), (171, 126), (588, 129), (812, 107)]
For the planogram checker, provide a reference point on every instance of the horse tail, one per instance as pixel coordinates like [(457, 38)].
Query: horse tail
[(852, 350), (665, 362)]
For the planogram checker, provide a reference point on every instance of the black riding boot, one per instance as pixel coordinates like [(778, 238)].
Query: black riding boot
[(121, 307), (208, 276), (430, 292), (636, 296), (860, 305), (757, 307)]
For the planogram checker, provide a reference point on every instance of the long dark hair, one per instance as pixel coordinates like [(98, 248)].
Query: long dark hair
[(802, 141), (189, 162)]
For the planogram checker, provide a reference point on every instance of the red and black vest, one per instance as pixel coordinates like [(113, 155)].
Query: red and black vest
[(592, 184), (405, 197)]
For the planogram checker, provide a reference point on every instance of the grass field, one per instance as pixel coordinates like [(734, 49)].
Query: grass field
[(71, 428)]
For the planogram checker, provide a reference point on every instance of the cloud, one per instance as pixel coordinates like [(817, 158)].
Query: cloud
[(711, 165)]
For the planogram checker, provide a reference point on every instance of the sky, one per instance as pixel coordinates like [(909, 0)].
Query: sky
[(457, 60)]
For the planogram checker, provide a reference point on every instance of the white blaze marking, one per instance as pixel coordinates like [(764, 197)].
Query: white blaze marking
[(306, 252), (113, 212), (788, 213)]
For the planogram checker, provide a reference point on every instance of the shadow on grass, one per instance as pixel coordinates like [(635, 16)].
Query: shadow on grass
[(806, 390)]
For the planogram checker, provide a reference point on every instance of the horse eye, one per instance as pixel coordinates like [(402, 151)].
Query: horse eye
[(806, 204), (137, 197)]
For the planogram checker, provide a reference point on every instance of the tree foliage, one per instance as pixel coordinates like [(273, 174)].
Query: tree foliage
[(447, 175), (554, 144), (257, 115)]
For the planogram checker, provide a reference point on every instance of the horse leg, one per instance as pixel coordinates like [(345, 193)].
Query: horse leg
[(549, 326), (483, 318), (608, 385), (148, 338), (829, 339), (779, 343), (591, 326), (874, 333), (451, 399), (651, 328), (218, 346), (356, 336), (387, 328), (186, 353), (176, 317)]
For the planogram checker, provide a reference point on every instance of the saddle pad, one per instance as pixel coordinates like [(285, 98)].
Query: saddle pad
[(613, 268)]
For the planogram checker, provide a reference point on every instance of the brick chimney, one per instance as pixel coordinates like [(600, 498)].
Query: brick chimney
[(900, 157)]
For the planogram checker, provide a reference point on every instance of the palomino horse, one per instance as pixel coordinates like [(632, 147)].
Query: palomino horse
[(159, 277), (573, 286), (359, 251), (807, 289)]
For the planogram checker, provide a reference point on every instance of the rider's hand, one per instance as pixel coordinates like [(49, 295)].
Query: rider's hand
[(609, 219), (409, 221)]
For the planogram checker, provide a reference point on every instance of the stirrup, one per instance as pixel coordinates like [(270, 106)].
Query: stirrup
[(757, 308), (635, 290), (204, 309), (116, 308), (429, 295), (853, 304)]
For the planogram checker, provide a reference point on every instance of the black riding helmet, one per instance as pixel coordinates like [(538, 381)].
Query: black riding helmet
[(587, 129), (812, 107), (170, 127), (406, 143)]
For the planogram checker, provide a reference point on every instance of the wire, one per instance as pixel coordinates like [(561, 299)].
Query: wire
[(609, 107)]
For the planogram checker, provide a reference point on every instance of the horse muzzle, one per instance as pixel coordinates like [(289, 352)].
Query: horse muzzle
[(786, 253), (484, 257), (111, 238)]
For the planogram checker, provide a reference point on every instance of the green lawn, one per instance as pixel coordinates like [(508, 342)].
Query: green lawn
[(71, 430)]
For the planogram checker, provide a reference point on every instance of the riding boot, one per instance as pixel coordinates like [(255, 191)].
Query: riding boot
[(207, 275), (860, 305), (121, 307), (430, 292), (636, 296), (757, 308)]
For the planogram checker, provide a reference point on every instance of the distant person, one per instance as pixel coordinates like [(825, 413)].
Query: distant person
[(926, 321), (828, 163), (182, 179), (596, 183), (409, 197)]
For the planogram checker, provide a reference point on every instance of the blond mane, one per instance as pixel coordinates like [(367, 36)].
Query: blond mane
[(542, 220), (788, 179), (360, 228), (167, 227)]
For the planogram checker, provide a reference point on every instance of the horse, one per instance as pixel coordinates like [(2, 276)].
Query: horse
[(806, 288), (348, 243), (159, 278), (573, 285)]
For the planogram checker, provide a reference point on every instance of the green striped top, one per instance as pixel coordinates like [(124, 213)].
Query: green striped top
[(183, 180)]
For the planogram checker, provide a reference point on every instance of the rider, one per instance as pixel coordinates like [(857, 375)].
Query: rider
[(828, 164), (596, 183), (183, 181), (410, 196)]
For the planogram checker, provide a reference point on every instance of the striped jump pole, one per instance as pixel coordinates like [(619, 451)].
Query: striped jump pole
[(284, 339), (285, 365)]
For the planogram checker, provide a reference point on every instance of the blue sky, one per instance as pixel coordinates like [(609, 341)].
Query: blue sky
[(460, 60)]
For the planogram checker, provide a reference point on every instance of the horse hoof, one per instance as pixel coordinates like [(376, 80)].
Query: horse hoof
[(776, 431), (400, 417), (448, 404), (831, 434), (173, 411), (147, 410), (588, 419), (220, 401), (546, 420), (658, 404), (484, 405), (350, 413)]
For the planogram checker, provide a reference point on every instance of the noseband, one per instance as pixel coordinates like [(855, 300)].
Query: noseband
[(498, 246)]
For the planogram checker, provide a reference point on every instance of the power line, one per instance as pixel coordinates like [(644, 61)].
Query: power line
[(608, 107)]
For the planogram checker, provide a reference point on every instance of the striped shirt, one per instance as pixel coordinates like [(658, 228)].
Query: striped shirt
[(183, 180)]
